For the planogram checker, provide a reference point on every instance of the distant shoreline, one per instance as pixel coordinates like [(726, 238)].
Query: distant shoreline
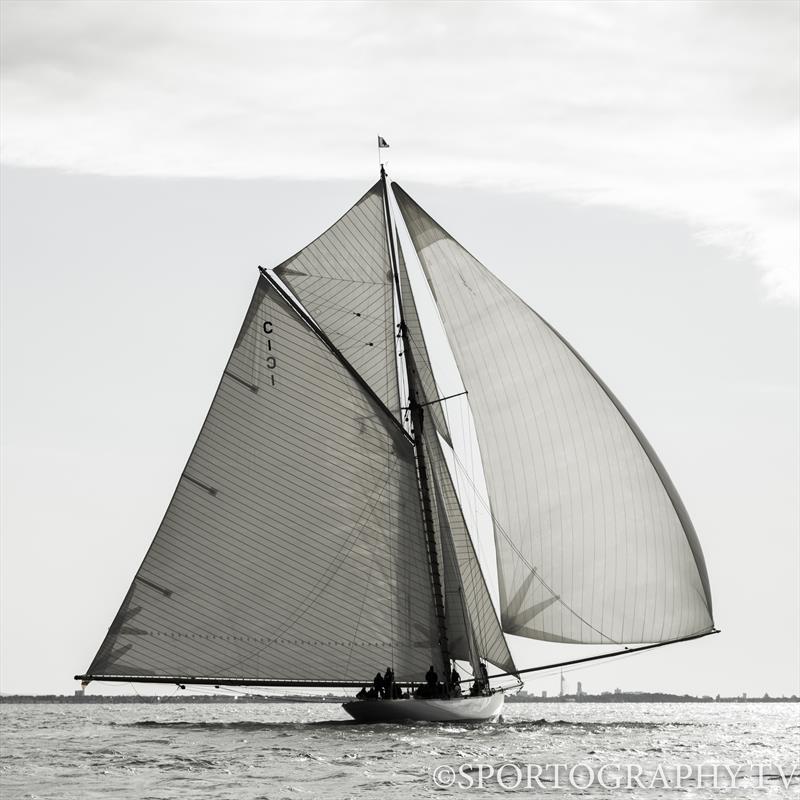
[(623, 697)]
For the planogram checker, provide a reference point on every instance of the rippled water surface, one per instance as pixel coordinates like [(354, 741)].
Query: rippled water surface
[(310, 750)]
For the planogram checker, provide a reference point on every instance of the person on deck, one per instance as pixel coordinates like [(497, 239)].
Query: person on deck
[(484, 675), (432, 680), (455, 681), (388, 683), (377, 683)]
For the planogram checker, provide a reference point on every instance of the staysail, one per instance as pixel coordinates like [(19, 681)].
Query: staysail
[(471, 617), (344, 280), (593, 542), (292, 548)]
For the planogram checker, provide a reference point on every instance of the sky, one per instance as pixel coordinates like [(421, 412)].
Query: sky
[(630, 170)]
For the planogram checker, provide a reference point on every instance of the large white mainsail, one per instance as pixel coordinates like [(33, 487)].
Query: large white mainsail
[(292, 548), (593, 542)]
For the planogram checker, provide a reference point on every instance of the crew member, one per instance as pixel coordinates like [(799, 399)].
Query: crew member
[(431, 677), (388, 683)]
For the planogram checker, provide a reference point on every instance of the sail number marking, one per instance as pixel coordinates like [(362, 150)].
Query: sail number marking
[(271, 362)]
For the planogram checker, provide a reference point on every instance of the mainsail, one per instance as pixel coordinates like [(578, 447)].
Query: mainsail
[(292, 548), (593, 542)]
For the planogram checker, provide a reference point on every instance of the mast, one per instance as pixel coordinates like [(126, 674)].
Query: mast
[(417, 415)]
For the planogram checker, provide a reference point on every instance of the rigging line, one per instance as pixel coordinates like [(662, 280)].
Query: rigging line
[(440, 399), (578, 667), (522, 557), (626, 651)]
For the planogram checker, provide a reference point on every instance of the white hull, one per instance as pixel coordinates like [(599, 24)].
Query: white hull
[(456, 709)]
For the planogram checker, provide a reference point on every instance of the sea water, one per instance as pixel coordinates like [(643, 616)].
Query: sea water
[(245, 751)]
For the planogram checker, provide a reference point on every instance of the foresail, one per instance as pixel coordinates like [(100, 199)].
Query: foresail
[(593, 542), (344, 280), (292, 548), (472, 623)]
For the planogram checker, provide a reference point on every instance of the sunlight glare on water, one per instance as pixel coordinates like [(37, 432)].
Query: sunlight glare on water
[(244, 751)]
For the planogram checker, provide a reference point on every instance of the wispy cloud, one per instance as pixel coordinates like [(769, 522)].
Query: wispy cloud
[(686, 110)]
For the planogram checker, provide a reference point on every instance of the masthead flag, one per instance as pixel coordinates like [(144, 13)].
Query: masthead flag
[(382, 142)]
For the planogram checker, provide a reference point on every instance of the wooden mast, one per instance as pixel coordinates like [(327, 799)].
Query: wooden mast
[(417, 415)]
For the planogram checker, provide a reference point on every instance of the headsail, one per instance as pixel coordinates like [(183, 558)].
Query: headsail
[(471, 617), (344, 280), (292, 547), (593, 542)]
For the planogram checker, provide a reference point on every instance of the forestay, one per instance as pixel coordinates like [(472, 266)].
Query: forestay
[(293, 545), (593, 542)]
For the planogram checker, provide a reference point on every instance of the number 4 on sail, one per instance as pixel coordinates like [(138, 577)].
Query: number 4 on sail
[(316, 535)]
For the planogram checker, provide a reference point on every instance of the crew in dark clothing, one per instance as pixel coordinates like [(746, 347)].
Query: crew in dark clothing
[(481, 681), (377, 683), (432, 677), (388, 683), (455, 681)]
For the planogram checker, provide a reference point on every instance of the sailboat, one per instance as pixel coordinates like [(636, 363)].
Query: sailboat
[(316, 534)]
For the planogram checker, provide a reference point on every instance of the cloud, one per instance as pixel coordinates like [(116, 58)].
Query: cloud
[(686, 110)]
